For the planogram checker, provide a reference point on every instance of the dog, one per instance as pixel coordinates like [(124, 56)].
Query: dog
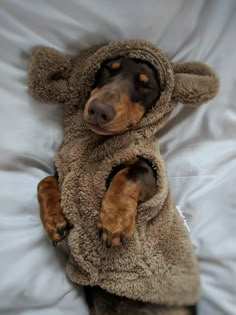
[(124, 90)]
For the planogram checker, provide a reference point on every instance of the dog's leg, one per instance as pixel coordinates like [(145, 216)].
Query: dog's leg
[(105, 303), (131, 185), (51, 214)]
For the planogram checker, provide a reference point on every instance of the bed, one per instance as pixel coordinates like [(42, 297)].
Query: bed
[(199, 146)]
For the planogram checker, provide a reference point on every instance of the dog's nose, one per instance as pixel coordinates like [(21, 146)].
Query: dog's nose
[(100, 113)]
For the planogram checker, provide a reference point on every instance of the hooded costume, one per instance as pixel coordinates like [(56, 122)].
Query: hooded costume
[(158, 264)]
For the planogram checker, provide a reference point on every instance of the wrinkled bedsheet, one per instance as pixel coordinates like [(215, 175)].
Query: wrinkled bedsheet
[(199, 146)]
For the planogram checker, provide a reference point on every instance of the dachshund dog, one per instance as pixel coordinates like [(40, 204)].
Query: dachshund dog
[(124, 90)]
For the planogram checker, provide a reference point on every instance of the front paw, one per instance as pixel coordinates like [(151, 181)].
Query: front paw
[(116, 221), (56, 225), (57, 230)]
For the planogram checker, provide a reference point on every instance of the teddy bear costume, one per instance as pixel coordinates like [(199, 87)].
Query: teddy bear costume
[(158, 264)]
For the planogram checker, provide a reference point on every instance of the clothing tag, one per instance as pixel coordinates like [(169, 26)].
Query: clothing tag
[(183, 217)]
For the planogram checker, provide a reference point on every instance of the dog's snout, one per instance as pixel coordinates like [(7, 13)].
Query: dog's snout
[(100, 113), (110, 96)]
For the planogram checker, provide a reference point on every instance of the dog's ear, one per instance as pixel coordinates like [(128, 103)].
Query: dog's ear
[(195, 83), (49, 71)]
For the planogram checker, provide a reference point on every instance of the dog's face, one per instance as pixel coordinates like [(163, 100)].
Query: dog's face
[(124, 91)]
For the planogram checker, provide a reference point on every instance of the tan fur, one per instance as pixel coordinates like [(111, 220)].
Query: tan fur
[(119, 207), (115, 65), (127, 113), (50, 208), (143, 78), (157, 265)]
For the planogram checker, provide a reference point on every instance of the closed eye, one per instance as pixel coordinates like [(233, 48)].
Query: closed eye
[(112, 71), (144, 89), (142, 83), (142, 86)]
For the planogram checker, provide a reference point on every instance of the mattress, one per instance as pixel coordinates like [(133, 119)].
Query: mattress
[(199, 146)]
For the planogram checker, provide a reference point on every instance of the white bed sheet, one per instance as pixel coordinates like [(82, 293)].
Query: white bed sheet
[(199, 146)]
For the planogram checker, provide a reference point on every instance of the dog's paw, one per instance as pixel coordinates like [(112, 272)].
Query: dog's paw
[(57, 227), (116, 222)]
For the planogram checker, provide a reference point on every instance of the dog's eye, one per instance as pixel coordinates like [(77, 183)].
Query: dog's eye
[(144, 90), (142, 85)]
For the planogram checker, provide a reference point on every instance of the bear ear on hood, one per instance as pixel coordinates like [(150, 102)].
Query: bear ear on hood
[(49, 71), (195, 83)]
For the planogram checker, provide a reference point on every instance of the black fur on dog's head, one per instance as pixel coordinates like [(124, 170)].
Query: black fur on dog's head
[(124, 90)]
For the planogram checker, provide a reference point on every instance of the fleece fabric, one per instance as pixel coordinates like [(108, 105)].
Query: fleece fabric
[(158, 264)]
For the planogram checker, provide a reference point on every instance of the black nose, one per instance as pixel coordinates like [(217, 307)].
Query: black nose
[(100, 113)]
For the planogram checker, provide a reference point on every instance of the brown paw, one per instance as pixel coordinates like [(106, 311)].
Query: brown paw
[(116, 221), (51, 214), (57, 228)]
